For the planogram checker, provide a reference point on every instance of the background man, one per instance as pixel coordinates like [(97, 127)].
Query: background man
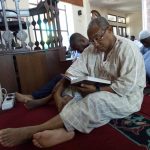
[(42, 96), (144, 37)]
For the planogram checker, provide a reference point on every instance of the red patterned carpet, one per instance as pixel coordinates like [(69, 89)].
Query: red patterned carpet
[(104, 138)]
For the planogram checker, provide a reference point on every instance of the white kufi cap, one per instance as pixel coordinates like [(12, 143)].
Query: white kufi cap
[(144, 34)]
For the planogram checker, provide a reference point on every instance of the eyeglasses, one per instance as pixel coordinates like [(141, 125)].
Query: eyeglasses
[(98, 37)]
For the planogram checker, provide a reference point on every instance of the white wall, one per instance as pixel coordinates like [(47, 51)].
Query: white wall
[(104, 12), (134, 20), (81, 22), (134, 24), (23, 4)]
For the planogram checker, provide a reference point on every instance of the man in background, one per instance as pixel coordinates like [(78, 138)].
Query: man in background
[(144, 37), (42, 96), (137, 42)]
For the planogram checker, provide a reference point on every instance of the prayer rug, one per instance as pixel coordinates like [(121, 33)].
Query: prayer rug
[(135, 127)]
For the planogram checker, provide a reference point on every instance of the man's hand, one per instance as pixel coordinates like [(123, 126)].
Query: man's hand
[(86, 88)]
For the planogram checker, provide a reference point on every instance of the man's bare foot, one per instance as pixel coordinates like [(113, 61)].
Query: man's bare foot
[(33, 104), (13, 136), (38, 102), (49, 138), (23, 98)]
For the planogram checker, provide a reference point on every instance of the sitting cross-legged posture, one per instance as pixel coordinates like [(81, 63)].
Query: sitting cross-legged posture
[(108, 56), (42, 96)]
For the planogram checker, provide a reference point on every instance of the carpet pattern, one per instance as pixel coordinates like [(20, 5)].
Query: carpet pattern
[(135, 127)]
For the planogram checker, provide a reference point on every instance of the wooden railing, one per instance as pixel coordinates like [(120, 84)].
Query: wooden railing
[(29, 30), (29, 71)]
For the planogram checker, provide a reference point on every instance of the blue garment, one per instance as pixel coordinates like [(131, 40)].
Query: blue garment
[(146, 55), (147, 63), (144, 49), (46, 89)]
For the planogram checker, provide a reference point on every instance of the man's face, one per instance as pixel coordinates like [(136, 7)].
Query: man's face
[(80, 45), (146, 42), (100, 38)]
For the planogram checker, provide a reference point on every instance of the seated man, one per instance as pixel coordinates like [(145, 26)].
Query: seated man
[(137, 42), (132, 37), (108, 56), (144, 37), (40, 97)]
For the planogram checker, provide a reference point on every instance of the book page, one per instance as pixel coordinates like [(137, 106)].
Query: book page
[(90, 80)]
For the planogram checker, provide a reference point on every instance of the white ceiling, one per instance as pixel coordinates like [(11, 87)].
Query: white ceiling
[(127, 6)]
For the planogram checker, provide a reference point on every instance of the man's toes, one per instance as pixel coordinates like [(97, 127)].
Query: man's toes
[(37, 135), (36, 143), (6, 143)]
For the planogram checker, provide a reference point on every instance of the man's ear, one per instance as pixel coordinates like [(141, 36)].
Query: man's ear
[(82, 40), (110, 28)]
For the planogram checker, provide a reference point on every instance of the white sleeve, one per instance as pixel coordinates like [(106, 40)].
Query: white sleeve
[(132, 71), (79, 67)]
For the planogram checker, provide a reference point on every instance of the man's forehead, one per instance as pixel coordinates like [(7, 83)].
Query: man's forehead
[(94, 26), (93, 30)]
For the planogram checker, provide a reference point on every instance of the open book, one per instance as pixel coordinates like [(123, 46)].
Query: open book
[(86, 80)]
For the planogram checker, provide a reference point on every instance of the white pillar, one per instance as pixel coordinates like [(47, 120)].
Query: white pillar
[(87, 14), (145, 14)]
